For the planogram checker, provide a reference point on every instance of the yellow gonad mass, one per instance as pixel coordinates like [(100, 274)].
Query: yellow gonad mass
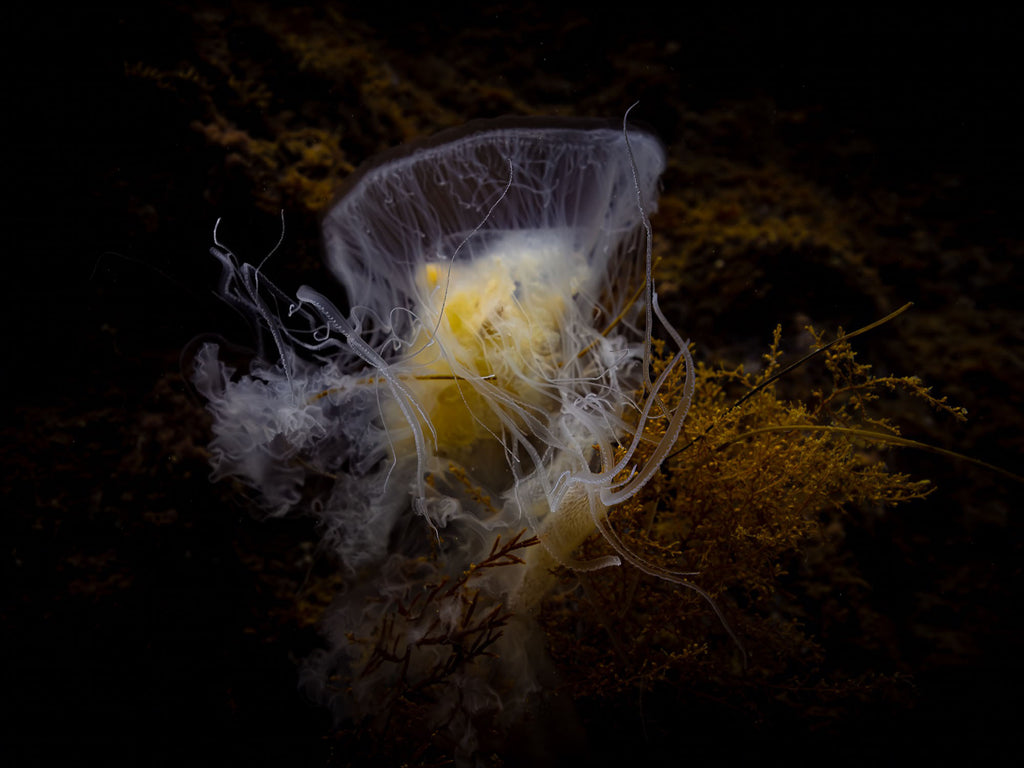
[(495, 323)]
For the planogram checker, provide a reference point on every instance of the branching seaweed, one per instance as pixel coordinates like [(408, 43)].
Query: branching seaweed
[(444, 631), (754, 504)]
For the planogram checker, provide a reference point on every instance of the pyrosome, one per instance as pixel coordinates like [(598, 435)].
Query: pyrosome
[(489, 374)]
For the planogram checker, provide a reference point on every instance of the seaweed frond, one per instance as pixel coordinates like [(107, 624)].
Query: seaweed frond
[(441, 631), (754, 503)]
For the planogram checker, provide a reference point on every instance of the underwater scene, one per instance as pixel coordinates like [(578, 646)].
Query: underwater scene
[(526, 387)]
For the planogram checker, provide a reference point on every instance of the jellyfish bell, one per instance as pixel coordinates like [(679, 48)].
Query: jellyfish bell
[(455, 197), (498, 326)]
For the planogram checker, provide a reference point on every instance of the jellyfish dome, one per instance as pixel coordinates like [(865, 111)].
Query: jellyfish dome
[(565, 187), (487, 376)]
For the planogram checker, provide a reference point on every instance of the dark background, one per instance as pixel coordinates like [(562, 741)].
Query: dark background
[(148, 618)]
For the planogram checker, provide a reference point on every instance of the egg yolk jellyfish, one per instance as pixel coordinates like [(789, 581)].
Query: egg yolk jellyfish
[(490, 378)]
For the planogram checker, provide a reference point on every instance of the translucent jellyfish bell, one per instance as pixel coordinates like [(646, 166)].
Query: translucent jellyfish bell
[(566, 185)]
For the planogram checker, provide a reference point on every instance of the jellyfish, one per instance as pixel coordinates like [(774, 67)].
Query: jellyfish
[(489, 375)]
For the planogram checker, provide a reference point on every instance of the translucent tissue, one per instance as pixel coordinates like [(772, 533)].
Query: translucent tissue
[(488, 377)]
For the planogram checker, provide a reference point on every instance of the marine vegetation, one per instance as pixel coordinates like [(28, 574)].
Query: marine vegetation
[(525, 489)]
